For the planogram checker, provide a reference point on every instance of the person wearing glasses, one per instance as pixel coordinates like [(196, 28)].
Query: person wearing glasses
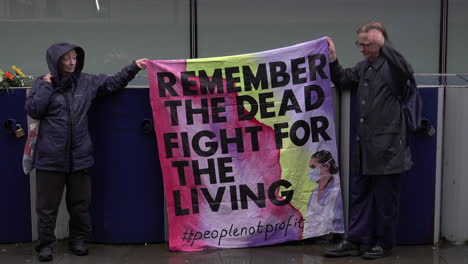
[(381, 146)]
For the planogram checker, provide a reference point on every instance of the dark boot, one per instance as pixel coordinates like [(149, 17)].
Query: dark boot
[(78, 247), (45, 253), (342, 249), (376, 252)]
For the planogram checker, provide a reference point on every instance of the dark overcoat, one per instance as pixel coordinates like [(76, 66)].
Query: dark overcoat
[(381, 143)]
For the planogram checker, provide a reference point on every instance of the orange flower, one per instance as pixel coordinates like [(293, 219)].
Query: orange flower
[(9, 75)]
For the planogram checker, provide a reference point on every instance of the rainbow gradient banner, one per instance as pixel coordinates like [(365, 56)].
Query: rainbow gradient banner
[(247, 147)]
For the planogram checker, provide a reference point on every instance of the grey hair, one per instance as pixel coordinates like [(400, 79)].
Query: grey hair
[(373, 25)]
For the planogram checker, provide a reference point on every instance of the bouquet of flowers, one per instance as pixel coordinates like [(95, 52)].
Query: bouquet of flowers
[(15, 79)]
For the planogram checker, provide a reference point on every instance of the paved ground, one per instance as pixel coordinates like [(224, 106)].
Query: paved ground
[(298, 252)]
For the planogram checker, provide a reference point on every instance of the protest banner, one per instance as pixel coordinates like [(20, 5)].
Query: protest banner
[(236, 135)]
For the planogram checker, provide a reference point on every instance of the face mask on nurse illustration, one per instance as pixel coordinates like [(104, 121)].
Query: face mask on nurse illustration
[(314, 173)]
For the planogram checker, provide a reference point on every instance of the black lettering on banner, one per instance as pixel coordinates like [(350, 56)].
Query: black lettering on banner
[(187, 84), (294, 135), (214, 203), (185, 144), (180, 165), (205, 143), (319, 130), (207, 85), (166, 81), (289, 96), (312, 130), (245, 192), (245, 195), (203, 111), (268, 229), (259, 227), (223, 170), (243, 231), (265, 105), (296, 71), (237, 140), (234, 231), (250, 79), (279, 135), (308, 97), (277, 72), (234, 200), (215, 110), (210, 171), (231, 81), (317, 69), (178, 204), (241, 112), (272, 193), (253, 131), (211, 145), (173, 104), (168, 144)]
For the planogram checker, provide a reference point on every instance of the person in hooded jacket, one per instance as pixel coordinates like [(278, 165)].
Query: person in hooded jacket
[(61, 100)]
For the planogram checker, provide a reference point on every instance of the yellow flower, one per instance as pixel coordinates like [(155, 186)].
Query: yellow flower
[(18, 71)]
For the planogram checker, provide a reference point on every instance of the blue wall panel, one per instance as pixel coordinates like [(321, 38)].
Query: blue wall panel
[(128, 201), (417, 202), (15, 206)]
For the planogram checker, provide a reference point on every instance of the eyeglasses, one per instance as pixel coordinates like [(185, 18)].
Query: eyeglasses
[(363, 45)]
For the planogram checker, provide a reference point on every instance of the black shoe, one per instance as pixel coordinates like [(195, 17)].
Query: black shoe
[(376, 252), (45, 253), (342, 249), (78, 248)]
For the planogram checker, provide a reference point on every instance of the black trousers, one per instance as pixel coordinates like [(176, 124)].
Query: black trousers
[(374, 202), (49, 190)]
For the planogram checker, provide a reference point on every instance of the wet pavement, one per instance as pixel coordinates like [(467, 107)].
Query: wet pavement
[(298, 252)]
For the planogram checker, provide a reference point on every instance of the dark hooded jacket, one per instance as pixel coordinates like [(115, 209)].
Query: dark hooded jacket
[(63, 142)]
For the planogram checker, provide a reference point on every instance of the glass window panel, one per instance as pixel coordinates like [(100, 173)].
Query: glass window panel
[(457, 36), (231, 27), (112, 33)]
